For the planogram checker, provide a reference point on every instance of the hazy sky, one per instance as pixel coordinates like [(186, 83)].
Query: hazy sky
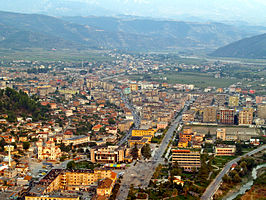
[(253, 11), (248, 10)]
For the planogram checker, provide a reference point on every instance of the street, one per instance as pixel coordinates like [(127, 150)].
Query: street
[(141, 173)]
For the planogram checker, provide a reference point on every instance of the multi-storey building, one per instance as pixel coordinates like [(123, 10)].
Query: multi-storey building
[(261, 111), (233, 101), (210, 114), (77, 140), (186, 159), (245, 116), (227, 116), (143, 132), (134, 87), (109, 154), (50, 198), (188, 116), (221, 134), (225, 150), (74, 180)]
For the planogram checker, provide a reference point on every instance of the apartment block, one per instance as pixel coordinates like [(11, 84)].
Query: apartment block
[(221, 134), (210, 114), (245, 116), (261, 111), (227, 116), (233, 101)]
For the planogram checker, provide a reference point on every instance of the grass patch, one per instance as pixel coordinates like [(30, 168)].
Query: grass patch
[(220, 161)]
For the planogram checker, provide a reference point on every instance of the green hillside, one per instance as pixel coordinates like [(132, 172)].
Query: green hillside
[(253, 48), (19, 104)]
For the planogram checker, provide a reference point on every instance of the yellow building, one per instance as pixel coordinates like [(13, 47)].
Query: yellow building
[(225, 150), (246, 116), (137, 140), (74, 180), (233, 101), (134, 87), (183, 143), (221, 133), (105, 187), (51, 198), (142, 132)]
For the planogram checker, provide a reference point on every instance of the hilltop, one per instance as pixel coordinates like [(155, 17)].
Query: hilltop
[(19, 104)]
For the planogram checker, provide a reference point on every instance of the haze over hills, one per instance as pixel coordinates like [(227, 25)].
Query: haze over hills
[(253, 47), (248, 11), (127, 33)]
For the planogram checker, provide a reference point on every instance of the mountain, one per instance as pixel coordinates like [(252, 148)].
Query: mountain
[(252, 47), (21, 31), (173, 33)]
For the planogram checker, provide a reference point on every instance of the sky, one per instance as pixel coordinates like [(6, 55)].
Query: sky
[(251, 11)]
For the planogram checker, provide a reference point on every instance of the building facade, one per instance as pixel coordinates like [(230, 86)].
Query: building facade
[(109, 154), (186, 159), (225, 150)]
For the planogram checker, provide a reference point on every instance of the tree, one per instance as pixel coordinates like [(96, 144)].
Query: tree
[(111, 121), (71, 165), (146, 151), (236, 178), (226, 179), (176, 170), (26, 145), (135, 152)]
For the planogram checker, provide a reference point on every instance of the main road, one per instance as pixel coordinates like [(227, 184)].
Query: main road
[(140, 174), (215, 184), (135, 116)]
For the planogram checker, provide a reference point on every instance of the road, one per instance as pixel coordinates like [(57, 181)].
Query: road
[(135, 116), (141, 173), (215, 184)]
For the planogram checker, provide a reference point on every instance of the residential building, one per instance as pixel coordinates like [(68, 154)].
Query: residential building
[(245, 116), (81, 139), (183, 143), (221, 134), (188, 116), (261, 111), (75, 180), (139, 140), (233, 101), (50, 198), (210, 114), (227, 116)]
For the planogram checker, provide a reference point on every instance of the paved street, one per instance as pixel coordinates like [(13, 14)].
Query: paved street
[(215, 184), (136, 119), (141, 173)]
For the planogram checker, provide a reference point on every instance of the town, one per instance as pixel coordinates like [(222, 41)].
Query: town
[(121, 128)]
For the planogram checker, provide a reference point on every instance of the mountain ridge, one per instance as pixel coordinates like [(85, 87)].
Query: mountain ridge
[(18, 30)]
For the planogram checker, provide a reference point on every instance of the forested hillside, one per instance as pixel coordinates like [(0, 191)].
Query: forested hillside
[(19, 104)]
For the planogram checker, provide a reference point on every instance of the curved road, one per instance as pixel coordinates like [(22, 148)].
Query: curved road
[(215, 184)]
